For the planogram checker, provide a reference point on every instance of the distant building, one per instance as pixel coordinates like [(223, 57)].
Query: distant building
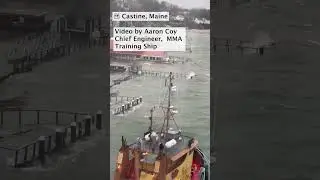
[(179, 18), (12, 19), (201, 21)]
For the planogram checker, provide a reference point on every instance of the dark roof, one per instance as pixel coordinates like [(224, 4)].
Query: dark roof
[(27, 12)]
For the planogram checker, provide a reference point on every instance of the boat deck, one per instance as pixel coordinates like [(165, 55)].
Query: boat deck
[(151, 155)]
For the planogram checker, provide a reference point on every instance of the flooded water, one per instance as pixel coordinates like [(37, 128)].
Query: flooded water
[(268, 107), (191, 99)]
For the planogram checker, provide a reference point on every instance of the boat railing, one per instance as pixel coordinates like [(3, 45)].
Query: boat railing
[(207, 162)]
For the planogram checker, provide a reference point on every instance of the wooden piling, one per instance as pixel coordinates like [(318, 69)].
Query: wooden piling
[(1, 123), (99, 120), (57, 118), (42, 140), (16, 159), (122, 109), (79, 129), (73, 132), (49, 143), (87, 130), (38, 117), (34, 151), (75, 117), (59, 138), (25, 154), (20, 120)]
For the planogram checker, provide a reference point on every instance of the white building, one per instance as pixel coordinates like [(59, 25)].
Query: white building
[(179, 18), (201, 21)]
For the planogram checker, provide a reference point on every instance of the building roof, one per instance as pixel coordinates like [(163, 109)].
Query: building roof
[(138, 53), (26, 12)]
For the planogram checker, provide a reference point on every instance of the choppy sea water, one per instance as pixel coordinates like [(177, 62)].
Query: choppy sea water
[(192, 98)]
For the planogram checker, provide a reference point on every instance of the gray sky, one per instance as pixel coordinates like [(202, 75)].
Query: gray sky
[(191, 3)]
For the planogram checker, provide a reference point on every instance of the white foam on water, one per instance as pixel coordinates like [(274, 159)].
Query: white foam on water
[(190, 75)]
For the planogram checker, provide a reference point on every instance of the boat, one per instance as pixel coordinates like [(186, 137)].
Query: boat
[(163, 154)]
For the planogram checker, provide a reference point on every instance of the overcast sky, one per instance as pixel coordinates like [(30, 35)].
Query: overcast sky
[(191, 3)]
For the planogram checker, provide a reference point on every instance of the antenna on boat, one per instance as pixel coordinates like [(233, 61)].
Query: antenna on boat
[(170, 78)]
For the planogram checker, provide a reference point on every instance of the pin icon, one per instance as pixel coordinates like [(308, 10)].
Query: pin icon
[(116, 16)]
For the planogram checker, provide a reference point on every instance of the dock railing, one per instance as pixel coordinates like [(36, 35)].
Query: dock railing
[(81, 125)]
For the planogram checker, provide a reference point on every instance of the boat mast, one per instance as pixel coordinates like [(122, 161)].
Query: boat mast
[(169, 101), (151, 120)]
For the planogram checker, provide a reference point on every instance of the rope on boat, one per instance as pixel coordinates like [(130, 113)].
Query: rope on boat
[(204, 156)]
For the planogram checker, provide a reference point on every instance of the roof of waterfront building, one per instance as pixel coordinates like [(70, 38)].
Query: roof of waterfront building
[(22, 12)]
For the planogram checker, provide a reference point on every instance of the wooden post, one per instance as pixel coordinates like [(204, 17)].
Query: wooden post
[(22, 66), (34, 151), (65, 134), (1, 118), (42, 140), (38, 117), (99, 120), (49, 143), (79, 129), (20, 120), (16, 159), (75, 117), (122, 108), (87, 130), (26, 153), (59, 138), (57, 118), (73, 132)]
